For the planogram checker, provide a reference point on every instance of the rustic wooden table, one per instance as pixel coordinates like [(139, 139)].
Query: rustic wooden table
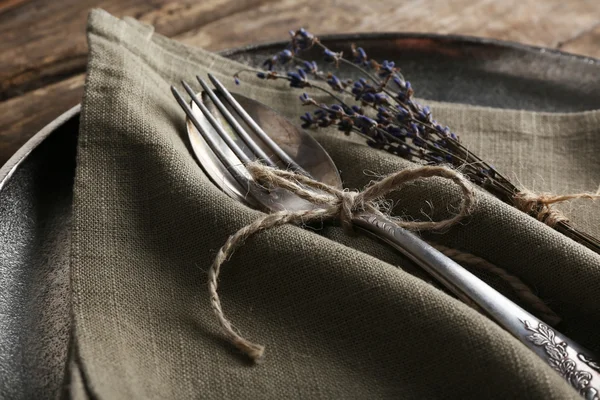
[(43, 47)]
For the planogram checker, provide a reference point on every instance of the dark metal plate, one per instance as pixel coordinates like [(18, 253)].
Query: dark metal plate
[(474, 71), (36, 183)]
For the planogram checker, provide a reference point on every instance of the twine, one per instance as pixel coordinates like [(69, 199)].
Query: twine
[(541, 205), (523, 291), (331, 203)]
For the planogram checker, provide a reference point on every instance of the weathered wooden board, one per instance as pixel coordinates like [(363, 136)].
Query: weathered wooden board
[(43, 48)]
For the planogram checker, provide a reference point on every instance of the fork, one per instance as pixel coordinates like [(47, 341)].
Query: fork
[(226, 166)]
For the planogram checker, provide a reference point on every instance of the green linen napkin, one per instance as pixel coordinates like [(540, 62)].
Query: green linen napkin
[(341, 316)]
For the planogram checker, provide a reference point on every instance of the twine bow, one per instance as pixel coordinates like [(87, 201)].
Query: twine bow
[(332, 203)]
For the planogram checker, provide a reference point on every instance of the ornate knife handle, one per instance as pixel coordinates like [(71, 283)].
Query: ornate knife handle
[(577, 365)]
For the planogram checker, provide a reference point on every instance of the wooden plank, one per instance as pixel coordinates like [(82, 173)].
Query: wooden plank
[(6, 5), (48, 67), (22, 117), (547, 23), (44, 41), (587, 43), (543, 23)]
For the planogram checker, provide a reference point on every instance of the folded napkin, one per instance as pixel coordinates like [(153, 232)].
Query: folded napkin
[(341, 316)]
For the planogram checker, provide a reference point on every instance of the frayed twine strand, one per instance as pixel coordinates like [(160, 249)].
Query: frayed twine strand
[(541, 205)]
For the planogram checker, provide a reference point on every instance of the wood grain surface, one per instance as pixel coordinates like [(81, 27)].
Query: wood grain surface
[(43, 46)]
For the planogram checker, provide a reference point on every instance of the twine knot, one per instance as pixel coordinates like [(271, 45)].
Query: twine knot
[(347, 207), (330, 203), (541, 206)]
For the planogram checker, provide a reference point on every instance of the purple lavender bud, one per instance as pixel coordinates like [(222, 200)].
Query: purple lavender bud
[(320, 113), (365, 124), (357, 90), (381, 98), (414, 130), (303, 39), (402, 114), (417, 141), (337, 108), (445, 131), (284, 56), (335, 83), (366, 120), (382, 119), (425, 115), (298, 79), (386, 68), (261, 75), (357, 109), (305, 99), (383, 116), (368, 98), (311, 67), (308, 120), (270, 63), (399, 82), (330, 56), (236, 80), (394, 131), (360, 56)]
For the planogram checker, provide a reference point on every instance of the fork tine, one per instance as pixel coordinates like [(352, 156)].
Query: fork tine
[(237, 169), (216, 125), (256, 128), (258, 152)]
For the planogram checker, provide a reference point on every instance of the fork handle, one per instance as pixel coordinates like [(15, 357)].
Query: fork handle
[(576, 364)]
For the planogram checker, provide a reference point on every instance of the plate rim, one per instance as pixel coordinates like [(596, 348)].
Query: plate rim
[(13, 163), (474, 40), (19, 157)]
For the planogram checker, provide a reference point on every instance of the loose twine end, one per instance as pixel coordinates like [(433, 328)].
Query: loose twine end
[(541, 205), (332, 203)]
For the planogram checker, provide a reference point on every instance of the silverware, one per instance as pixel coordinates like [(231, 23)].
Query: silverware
[(224, 135)]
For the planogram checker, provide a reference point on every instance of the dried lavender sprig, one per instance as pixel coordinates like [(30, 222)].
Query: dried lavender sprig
[(414, 118), (302, 40), (389, 71)]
